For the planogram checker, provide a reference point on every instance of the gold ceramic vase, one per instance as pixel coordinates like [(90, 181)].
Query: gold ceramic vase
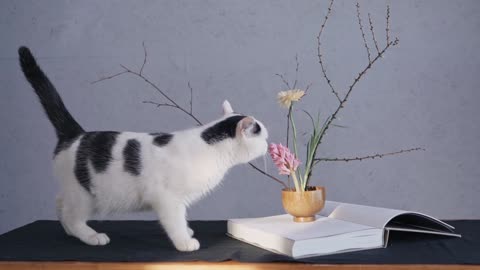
[(303, 205)]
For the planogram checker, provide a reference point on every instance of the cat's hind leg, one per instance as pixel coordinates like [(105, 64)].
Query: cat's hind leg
[(74, 209), (59, 204)]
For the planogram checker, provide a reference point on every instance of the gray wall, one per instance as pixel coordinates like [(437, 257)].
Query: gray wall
[(422, 93)]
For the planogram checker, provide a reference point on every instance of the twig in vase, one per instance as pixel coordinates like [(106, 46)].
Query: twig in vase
[(109, 77), (370, 156), (191, 97), (144, 57), (159, 104), (387, 30), (319, 53), (283, 80), (373, 32), (343, 101), (363, 34), (296, 72), (355, 81), (308, 87), (160, 91)]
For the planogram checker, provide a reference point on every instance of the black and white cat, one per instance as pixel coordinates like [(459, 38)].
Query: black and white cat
[(107, 171)]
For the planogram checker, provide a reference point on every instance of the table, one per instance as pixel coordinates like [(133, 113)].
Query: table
[(144, 245)]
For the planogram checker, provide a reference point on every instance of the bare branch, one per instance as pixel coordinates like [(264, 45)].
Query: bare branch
[(288, 124), (151, 84), (109, 77), (144, 57), (339, 126), (350, 88), (283, 80), (157, 104), (329, 10), (387, 30), (395, 42), (363, 34), (125, 68), (141, 76), (370, 156), (373, 32), (308, 87), (191, 97), (270, 176), (319, 53)]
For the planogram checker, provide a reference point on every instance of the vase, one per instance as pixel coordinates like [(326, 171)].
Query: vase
[(303, 205)]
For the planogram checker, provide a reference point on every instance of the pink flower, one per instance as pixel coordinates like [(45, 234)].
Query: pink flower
[(285, 161)]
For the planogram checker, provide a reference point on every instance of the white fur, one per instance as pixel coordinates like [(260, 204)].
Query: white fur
[(172, 177), (227, 108)]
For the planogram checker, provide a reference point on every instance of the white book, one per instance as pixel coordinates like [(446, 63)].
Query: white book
[(339, 227)]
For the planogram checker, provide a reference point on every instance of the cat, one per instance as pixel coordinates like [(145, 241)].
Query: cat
[(107, 171)]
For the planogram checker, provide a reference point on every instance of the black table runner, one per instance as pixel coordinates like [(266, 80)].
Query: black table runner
[(145, 241)]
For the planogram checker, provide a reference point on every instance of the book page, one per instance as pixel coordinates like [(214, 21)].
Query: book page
[(367, 215), (419, 223), (378, 217), (404, 228)]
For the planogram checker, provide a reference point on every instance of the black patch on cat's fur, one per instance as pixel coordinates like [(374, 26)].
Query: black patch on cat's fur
[(161, 139), (66, 127), (256, 129), (63, 145), (222, 130), (94, 148), (101, 150), (81, 160), (132, 156)]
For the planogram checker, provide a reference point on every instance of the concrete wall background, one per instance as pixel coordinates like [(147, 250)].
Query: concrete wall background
[(424, 92)]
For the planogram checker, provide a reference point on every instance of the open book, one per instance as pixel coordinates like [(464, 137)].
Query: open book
[(340, 227)]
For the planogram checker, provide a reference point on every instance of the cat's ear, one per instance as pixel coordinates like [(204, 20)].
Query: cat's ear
[(245, 126), (227, 108)]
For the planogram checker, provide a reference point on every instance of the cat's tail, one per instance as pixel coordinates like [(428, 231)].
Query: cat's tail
[(65, 126)]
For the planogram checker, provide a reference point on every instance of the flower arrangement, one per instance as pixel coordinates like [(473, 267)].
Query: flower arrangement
[(288, 162)]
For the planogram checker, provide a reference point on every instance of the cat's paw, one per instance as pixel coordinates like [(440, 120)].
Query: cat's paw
[(98, 239), (190, 244), (190, 232)]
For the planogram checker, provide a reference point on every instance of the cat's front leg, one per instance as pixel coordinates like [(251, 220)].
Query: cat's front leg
[(172, 216)]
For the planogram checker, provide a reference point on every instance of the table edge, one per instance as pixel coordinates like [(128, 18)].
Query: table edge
[(73, 265)]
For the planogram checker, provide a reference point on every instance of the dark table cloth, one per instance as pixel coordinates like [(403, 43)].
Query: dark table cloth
[(145, 241)]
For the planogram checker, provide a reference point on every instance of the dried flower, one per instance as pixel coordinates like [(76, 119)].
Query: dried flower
[(285, 98)]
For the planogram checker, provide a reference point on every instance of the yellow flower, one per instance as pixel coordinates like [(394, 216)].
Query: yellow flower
[(285, 98)]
